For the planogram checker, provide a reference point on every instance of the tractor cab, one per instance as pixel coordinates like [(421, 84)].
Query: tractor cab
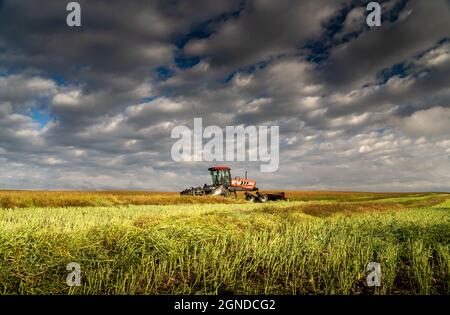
[(220, 175)]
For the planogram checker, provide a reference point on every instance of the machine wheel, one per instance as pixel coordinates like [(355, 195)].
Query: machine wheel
[(250, 197), (225, 193), (262, 197)]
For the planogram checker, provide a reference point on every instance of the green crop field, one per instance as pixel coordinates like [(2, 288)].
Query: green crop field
[(160, 243)]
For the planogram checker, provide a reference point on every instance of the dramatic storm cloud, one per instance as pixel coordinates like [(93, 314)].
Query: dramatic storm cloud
[(93, 107)]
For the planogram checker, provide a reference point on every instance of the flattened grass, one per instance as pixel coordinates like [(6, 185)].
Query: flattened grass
[(27, 199), (329, 209)]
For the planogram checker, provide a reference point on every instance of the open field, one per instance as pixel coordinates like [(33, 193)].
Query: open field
[(160, 243), (26, 199)]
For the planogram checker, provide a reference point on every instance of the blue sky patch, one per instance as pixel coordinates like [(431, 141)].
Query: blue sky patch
[(400, 70), (41, 116), (164, 73), (184, 62)]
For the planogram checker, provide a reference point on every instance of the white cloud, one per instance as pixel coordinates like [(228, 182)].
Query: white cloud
[(434, 121), (436, 57), (21, 90), (69, 98)]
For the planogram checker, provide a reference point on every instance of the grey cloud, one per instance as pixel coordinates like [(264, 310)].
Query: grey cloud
[(429, 122), (342, 124), (356, 63), (264, 29)]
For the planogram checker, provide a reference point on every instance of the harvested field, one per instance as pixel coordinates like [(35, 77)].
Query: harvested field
[(321, 245)]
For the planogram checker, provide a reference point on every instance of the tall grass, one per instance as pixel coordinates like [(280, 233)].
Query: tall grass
[(276, 248)]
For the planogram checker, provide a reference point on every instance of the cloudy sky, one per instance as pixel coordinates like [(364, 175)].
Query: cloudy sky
[(93, 107)]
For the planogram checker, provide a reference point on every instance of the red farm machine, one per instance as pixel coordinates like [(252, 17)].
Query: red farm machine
[(224, 185)]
